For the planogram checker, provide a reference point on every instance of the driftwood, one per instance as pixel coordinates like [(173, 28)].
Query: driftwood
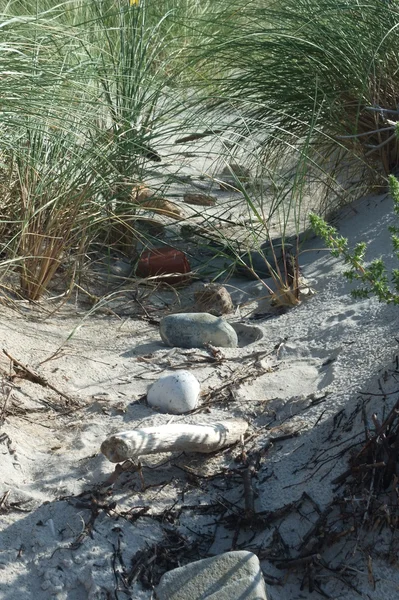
[(168, 438)]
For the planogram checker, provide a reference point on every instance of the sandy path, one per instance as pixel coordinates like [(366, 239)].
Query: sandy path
[(67, 533)]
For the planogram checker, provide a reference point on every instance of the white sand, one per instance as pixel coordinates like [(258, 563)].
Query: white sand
[(334, 348)]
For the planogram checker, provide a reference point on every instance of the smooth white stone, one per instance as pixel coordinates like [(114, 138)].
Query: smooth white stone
[(175, 393)]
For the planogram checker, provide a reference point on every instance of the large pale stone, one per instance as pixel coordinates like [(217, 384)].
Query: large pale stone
[(194, 330), (229, 576), (175, 393)]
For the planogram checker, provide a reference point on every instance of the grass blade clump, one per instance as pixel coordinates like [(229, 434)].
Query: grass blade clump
[(282, 62), (51, 203), (86, 101)]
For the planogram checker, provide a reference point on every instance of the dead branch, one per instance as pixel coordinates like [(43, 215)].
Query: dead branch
[(36, 377), (168, 438)]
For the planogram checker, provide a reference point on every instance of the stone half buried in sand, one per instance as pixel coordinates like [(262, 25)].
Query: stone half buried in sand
[(195, 330), (229, 576), (175, 393), (247, 334)]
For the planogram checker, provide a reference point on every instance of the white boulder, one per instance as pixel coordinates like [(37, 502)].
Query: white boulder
[(174, 393)]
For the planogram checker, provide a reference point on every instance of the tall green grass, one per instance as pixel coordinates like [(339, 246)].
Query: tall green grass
[(284, 62), (93, 92), (87, 101)]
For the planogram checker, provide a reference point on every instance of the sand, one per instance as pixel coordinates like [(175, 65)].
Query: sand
[(72, 528)]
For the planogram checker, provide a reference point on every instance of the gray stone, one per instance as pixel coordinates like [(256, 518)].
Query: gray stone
[(115, 267), (194, 330), (229, 576), (247, 334), (121, 268)]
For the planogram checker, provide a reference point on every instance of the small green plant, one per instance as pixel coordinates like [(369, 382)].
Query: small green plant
[(374, 279), (280, 259)]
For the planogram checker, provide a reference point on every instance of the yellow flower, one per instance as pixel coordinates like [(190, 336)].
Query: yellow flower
[(134, 2)]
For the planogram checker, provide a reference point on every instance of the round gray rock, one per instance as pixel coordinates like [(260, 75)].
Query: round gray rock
[(175, 393), (194, 330)]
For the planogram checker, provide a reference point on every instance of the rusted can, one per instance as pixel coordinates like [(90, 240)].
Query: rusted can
[(164, 261)]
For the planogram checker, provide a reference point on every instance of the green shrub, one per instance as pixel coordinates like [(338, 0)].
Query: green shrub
[(374, 278)]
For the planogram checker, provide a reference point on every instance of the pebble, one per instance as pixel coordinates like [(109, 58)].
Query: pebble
[(228, 576), (115, 266), (195, 330), (199, 199), (214, 299), (175, 393)]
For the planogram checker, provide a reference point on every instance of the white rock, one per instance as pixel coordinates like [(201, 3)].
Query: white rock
[(175, 393)]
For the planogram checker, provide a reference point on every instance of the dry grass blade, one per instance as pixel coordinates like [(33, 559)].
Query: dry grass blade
[(48, 235)]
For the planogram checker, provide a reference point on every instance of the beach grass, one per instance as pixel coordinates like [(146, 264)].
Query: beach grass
[(86, 100), (293, 65), (93, 95)]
